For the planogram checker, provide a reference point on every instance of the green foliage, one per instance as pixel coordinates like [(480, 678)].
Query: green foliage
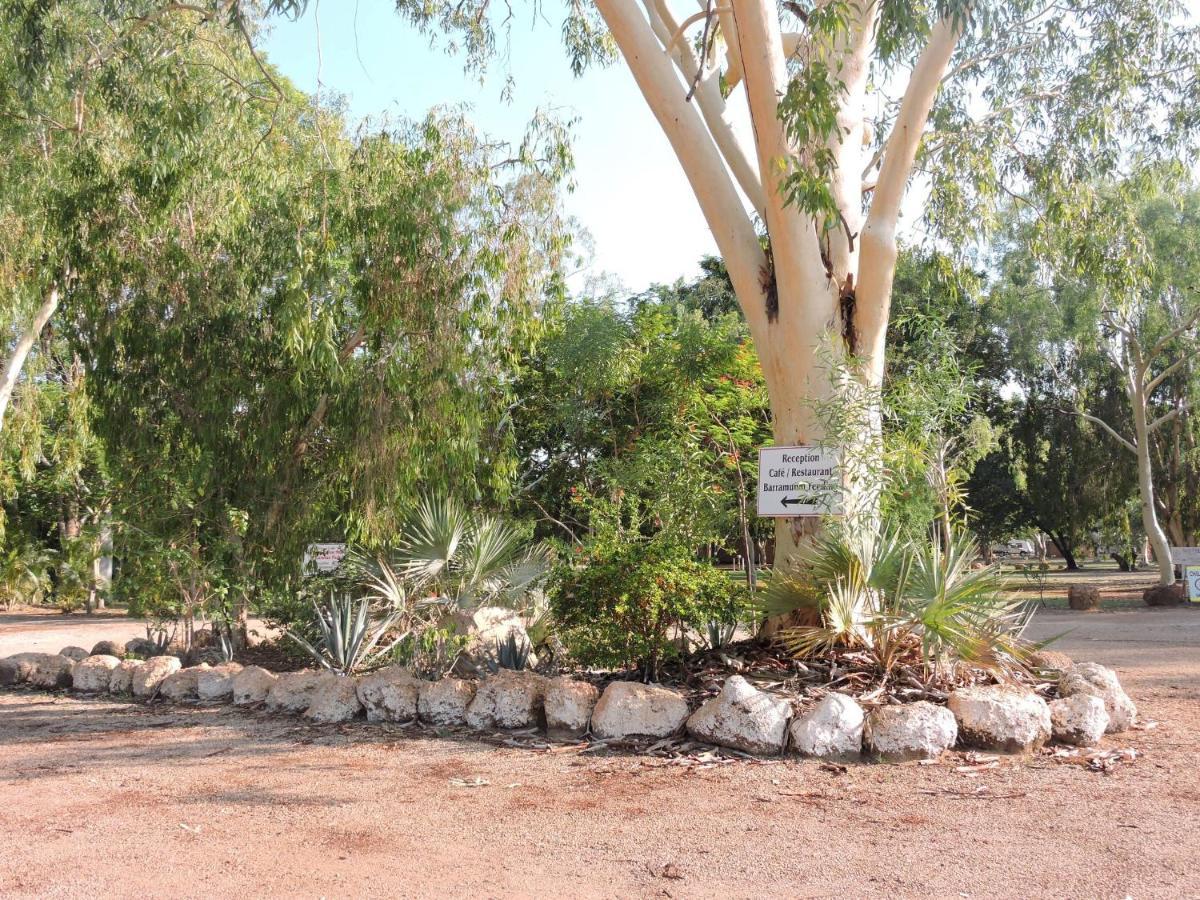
[(629, 604), (939, 392), (890, 598), (24, 574), (643, 418), (347, 635)]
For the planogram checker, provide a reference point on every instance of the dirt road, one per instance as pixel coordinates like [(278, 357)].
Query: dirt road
[(109, 799)]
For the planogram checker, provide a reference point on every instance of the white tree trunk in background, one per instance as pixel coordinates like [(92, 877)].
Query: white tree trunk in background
[(1154, 532), (16, 359), (1134, 361), (821, 293)]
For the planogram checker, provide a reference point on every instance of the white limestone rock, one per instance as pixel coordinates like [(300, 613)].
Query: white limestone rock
[(569, 705), (17, 668), (1001, 718), (216, 683), (108, 648), (52, 672), (831, 729), (93, 674), (1080, 719), (181, 685), (445, 702), (251, 685), (507, 700), (920, 730), (390, 695), (292, 692), (334, 700), (744, 718), (149, 676), (143, 647), (121, 681), (631, 709), (1097, 681), (485, 628)]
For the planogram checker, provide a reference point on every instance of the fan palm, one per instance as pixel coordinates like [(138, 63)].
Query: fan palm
[(873, 591), (468, 559)]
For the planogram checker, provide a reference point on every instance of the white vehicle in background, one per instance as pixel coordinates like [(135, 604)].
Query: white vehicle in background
[(1020, 548)]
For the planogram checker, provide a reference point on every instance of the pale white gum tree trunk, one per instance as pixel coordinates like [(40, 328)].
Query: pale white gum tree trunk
[(1135, 362), (20, 352), (823, 291)]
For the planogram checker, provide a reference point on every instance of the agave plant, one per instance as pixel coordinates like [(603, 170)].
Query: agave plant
[(349, 638), (510, 653)]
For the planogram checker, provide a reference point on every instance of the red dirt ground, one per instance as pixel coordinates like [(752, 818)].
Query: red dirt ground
[(113, 799)]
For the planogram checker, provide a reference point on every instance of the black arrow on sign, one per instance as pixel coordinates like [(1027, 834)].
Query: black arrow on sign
[(792, 501)]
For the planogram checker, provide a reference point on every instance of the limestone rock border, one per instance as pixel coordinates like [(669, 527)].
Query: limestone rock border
[(742, 717)]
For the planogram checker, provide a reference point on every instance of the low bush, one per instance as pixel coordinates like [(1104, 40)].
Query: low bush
[(630, 605), (900, 603)]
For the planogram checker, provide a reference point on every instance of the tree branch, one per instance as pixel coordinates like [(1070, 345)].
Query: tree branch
[(799, 269), (1124, 441), (1164, 375), (877, 260), (698, 156), (1167, 417), (1162, 342), (712, 107), (16, 359)]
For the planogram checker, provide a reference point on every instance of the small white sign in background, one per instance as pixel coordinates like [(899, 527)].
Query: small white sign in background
[(323, 557), (1185, 556), (799, 481)]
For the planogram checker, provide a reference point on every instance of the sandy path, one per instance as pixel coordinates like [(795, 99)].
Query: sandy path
[(104, 798), (48, 631)]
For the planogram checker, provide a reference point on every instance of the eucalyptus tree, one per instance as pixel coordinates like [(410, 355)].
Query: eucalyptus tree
[(289, 328), (846, 99), (329, 327), (1102, 322), (1138, 263)]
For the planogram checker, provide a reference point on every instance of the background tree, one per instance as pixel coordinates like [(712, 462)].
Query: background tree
[(1121, 339)]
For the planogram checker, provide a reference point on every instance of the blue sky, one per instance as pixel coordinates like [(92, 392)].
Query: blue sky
[(630, 194)]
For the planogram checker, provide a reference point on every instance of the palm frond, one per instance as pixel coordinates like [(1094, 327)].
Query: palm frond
[(432, 538)]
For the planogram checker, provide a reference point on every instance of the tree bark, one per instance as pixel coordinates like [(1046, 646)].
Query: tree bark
[(1154, 532), (820, 292), (16, 359), (1064, 547)]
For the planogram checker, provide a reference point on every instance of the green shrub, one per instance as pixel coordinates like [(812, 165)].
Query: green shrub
[(627, 605)]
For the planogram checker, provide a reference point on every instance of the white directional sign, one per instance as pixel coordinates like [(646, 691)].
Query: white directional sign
[(1185, 556), (799, 481)]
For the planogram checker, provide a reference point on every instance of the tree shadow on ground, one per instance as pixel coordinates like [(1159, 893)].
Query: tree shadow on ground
[(71, 730)]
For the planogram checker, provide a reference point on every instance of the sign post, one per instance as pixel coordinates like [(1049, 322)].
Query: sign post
[(799, 481)]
